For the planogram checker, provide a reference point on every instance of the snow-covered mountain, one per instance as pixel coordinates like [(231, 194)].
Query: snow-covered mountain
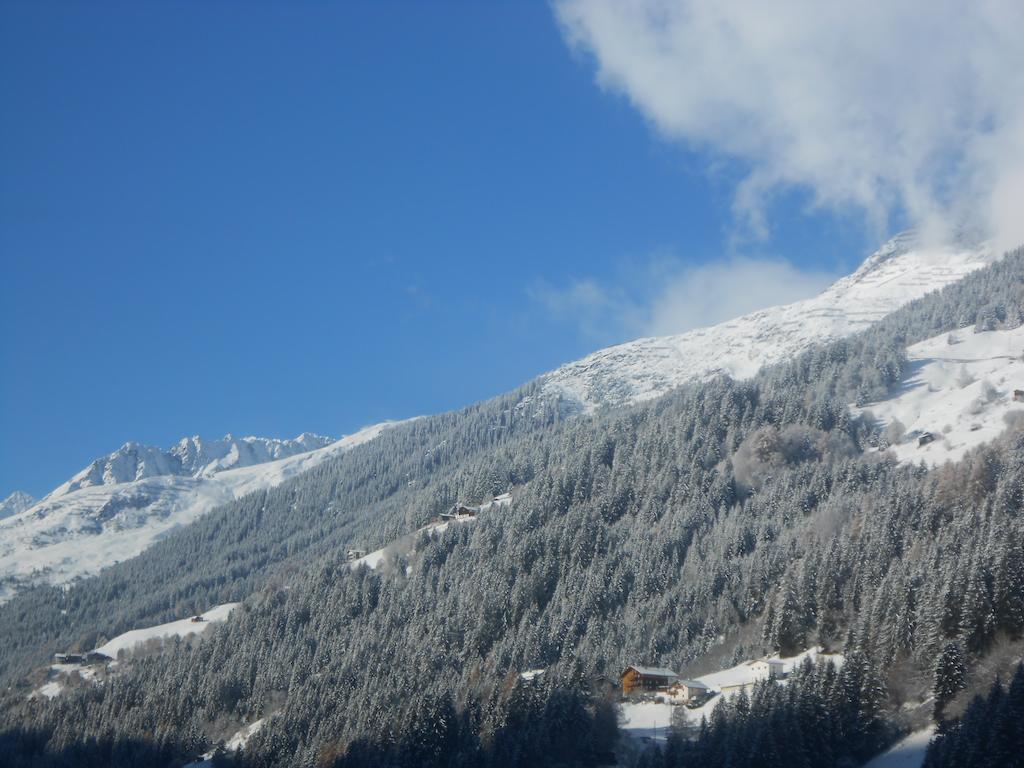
[(190, 457), (15, 503), (121, 504), (900, 271)]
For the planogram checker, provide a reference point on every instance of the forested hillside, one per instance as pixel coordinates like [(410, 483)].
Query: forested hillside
[(727, 518)]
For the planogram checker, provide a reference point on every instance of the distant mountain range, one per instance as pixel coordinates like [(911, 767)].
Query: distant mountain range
[(124, 502)]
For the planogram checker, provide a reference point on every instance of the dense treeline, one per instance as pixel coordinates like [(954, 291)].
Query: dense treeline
[(822, 717), (648, 534), (366, 497), (991, 731)]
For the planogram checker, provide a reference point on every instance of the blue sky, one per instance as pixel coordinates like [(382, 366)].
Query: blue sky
[(313, 219)]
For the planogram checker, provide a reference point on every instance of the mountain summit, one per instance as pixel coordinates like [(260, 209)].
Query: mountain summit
[(900, 271), (15, 503), (120, 504), (189, 457)]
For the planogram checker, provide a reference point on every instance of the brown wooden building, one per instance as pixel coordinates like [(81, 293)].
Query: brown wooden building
[(637, 679)]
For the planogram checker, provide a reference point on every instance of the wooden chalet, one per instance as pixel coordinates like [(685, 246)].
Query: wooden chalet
[(924, 439), (638, 679), (1018, 395), (92, 657), (459, 512)]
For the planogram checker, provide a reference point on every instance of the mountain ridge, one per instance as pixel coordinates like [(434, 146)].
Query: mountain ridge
[(901, 270), (75, 532), (190, 456), (138, 493), (16, 502)]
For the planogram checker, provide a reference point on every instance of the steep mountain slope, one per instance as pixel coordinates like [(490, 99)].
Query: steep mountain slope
[(15, 503), (635, 537), (899, 272), (121, 504)]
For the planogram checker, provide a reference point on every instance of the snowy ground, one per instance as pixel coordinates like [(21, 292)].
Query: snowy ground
[(908, 753), (235, 743), (78, 533), (128, 641), (180, 628), (649, 720), (961, 392)]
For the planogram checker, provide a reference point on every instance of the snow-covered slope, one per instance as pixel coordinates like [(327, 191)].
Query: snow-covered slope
[(181, 628), (77, 531), (900, 271), (959, 389), (58, 674), (909, 752), (15, 503)]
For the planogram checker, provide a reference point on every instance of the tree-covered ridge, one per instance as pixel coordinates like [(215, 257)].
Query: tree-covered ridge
[(648, 534)]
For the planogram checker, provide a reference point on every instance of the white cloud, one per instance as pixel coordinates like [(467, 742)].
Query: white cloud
[(602, 314), (666, 297), (915, 105), (713, 293)]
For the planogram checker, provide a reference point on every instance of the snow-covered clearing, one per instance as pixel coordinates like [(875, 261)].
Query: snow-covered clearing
[(907, 753), (241, 738), (404, 545), (180, 628), (959, 388), (48, 690), (233, 744), (650, 719), (127, 641), (79, 532)]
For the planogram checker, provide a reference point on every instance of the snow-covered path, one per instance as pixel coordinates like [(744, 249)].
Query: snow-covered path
[(907, 753)]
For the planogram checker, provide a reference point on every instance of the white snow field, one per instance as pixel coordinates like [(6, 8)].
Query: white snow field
[(959, 389), (899, 272), (649, 720), (906, 753), (180, 628), (83, 526), (129, 640)]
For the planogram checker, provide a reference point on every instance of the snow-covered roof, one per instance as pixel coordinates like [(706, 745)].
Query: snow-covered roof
[(653, 671), (695, 684)]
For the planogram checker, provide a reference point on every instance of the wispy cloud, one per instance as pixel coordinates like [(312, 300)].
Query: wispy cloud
[(914, 106), (665, 296)]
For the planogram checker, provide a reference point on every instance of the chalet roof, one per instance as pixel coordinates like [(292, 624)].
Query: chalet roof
[(695, 684), (653, 671)]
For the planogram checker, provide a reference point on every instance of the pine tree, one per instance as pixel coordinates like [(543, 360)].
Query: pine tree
[(950, 677)]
